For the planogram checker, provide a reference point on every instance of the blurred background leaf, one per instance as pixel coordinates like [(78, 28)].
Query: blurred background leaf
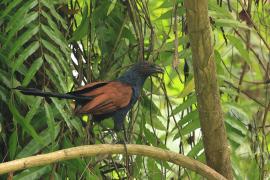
[(61, 45)]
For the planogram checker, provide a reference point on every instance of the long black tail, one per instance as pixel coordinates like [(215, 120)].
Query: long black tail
[(37, 92)]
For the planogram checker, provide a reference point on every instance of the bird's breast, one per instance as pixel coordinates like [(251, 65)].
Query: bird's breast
[(135, 94)]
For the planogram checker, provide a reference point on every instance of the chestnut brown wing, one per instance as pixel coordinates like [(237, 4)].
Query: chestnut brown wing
[(108, 98), (88, 87)]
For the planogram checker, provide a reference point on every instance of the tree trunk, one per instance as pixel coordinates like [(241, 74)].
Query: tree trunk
[(210, 111)]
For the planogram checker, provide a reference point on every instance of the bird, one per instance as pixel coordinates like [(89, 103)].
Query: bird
[(104, 99)]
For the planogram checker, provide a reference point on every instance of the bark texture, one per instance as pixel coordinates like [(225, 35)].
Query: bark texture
[(109, 149), (210, 111)]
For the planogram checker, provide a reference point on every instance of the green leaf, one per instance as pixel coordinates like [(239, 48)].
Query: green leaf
[(218, 15), (32, 71), (82, 29), (8, 9), (111, 7), (59, 56), (33, 173), (26, 36), (189, 88), (237, 43), (223, 12), (148, 104), (24, 55), (150, 136), (20, 14), (193, 115), (185, 53), (164, 164), (237, 112), (127, 33), (166, 4), (33, 110), (71, 122), (153, 170), (169, 14), (3, 94), (4, 78), (33, 147), (236, 123), (108, 123), (3, 57), (54, 13), (235, 136), (54, 27), (196, 149), (57, 70), (189, 128), (58, 34), (230, 23), (18, 26), (50, 122), (165, 57), (219, 60), (186, 104), (157, 124), (12, 144), (57, 39), (77, 165), (26, 126), (53, 77), (56, 176), (138, 167), (254, 170), (52, 24), (187, 118)]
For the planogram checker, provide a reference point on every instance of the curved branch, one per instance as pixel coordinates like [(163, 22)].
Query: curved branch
[(102, 149)]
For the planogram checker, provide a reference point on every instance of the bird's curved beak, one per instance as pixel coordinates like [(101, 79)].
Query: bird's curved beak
[(157, 69)]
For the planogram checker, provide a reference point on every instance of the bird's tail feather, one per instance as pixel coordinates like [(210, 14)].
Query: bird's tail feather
[(37, 92)]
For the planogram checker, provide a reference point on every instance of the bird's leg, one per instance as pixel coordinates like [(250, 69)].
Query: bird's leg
[(126, 153), (120, 125), (88, 127), (108, 132), (92, 138)]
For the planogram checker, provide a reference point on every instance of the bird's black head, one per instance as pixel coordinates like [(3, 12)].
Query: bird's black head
[(138, 73), (145, 68)]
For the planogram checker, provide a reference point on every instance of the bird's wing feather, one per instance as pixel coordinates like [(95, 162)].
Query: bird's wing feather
[(107, 99), (88, 87)]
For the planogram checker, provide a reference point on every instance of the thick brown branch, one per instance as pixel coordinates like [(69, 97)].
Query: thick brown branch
[(211, 116), (102, 149)]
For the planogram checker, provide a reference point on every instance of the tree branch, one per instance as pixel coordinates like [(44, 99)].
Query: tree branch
[(102, 149), (217, 151)]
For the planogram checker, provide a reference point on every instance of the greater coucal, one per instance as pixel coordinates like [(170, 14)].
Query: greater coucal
[(107, 99)]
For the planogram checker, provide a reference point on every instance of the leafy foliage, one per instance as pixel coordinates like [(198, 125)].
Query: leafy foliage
[(59, 45)]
